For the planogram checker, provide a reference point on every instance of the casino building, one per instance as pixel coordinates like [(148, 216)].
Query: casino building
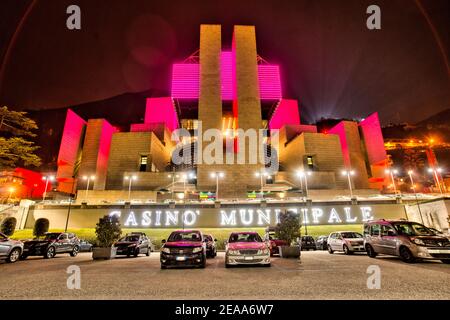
[(226, 88)]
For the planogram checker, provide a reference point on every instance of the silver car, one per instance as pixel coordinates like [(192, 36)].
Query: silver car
[(346, 241), (406, 239), (10, 250)]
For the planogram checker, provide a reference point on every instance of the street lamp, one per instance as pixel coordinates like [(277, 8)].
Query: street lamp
[(217, 175), (88, 179), (303, 175), (410, 174), (391, 172), (46, 179), (130, 179), (349, 173), (11, 191), (261, 174), (435, 172)]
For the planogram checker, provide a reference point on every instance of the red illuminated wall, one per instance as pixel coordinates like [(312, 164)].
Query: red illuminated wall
[(286, 113), (339, 130), (32, 184), (74, 128), (186, 80), (161, 110), (373, 138)]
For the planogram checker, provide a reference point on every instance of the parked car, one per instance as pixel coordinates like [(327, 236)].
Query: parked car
[(406, 239), (346, 241), (133, 244), (273, 242), (10, 250), (246, 248), (321, 242), (85, 246), (183, 248), (308, 243), (53, 243), (211, 249)]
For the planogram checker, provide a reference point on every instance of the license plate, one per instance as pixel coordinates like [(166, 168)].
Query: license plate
[(180, 258), (248, 258), (438, 251)]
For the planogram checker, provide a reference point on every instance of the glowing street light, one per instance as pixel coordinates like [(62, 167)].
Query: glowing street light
[(130, 179), (46, 179), (88, 179), (435, 172), (349, 173), (262, 174), (217, 175), (303, 175), (413, 187), (391, 172), (11, 191)]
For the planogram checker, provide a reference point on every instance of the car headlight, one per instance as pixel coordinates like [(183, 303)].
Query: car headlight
[(233, 252), (419, 242), (264, 251), (165, 250), (197, 249), (132, 245)]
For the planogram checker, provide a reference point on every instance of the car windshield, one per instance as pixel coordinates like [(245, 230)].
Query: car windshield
[(130, 239), (185, 236), (413, 229), (209, 238), (52, 236), (245, 237), (350, 235)]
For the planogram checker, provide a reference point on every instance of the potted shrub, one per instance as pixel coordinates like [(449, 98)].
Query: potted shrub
[(108, 231), (288, 229), (8, 226), (40, 227)]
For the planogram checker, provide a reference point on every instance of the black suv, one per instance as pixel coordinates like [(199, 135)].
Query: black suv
[(53, 243), (133, 244), (308, 243)]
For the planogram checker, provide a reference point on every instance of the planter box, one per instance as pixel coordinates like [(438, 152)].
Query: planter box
[(104, 253), (289, 251)]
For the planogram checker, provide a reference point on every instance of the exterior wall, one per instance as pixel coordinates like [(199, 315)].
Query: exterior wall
[(70, 151), (210, 217), (354, 157), (161, 110), (286, 113), (96, 147), (327, 155), (433, 214), (103, 197)]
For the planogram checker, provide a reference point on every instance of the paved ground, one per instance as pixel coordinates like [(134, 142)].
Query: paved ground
[(318, 275)]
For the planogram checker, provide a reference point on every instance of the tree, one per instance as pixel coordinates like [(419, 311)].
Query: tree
[(8, 226), (288, 229), (41, 227), (108, 231), (15, 148)]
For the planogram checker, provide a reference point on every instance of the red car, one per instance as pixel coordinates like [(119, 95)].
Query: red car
[(274, 243)]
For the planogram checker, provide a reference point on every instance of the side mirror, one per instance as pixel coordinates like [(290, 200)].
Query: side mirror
[(163, 241), (215, 240)]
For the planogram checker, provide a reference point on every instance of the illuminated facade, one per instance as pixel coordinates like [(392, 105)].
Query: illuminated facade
[(227, 90)]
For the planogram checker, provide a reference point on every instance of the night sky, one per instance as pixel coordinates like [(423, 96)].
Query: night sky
[(329, 60)]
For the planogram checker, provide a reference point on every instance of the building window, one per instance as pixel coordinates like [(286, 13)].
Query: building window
[(143, 163), (310, 162)]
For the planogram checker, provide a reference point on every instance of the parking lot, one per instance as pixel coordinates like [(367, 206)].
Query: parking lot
[(318, 275)]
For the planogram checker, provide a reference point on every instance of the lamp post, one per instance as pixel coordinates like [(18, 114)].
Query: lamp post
[(46, 179), (303, 175), (88, 179), (130, 179), (391, 172), (217, 175), (413, 187), (173, 176), (435, 172), (349, 173), (261, 174)]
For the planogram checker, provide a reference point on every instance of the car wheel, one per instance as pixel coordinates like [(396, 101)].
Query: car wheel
[(227, 265), (163, 267), (136, 252), (148, 252), (50, 253), (324, 247), (446, 261), (75, 251), (14, 255), (267, 265), (370, 252), (406, 255), (330, 251), (203, 265), (347, 250)]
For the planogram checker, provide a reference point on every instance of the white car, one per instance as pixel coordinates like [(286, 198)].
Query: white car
[(346, 241)]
